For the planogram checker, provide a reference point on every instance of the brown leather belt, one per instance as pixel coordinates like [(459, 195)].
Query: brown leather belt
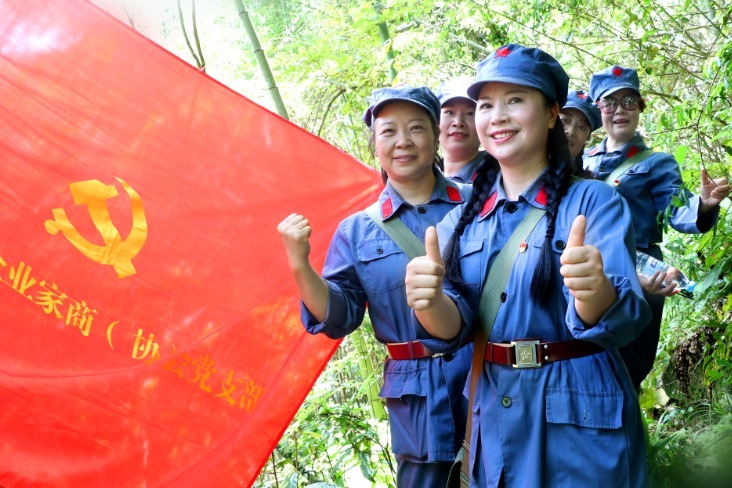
[(410, 350), (532, 353)]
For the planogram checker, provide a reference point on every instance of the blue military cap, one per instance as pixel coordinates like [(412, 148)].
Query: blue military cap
[(452, 89), (612, 79), (526, 66), (421, 96), (580, 100)]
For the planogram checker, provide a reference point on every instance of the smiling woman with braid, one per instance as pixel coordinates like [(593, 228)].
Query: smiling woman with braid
[(552, 403)]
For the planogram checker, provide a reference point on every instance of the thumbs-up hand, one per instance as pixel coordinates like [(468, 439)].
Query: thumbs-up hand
[(584, 276), (424, 274)]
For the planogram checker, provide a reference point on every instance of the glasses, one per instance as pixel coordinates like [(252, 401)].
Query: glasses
[(609, 104)]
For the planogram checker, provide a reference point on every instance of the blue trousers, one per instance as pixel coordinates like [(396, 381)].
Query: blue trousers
[(421, 475), (640, 354)]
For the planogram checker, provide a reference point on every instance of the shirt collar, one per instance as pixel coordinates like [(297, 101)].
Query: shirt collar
[(629, 149), (535, 194), (448, 191)]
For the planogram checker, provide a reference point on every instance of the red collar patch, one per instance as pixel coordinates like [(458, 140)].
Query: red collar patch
[(386, 209), (541, 197), (632, 152), (489, 204), (453, 194), (593, 151)]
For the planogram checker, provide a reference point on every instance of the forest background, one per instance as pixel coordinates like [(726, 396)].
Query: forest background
[(316, 63)]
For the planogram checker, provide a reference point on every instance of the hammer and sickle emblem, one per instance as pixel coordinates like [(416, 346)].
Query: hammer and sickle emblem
[(116, 252)]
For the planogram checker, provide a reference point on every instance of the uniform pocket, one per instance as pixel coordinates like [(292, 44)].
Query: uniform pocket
[(472, 262), (635, 180), (593, 409), (384, 265)]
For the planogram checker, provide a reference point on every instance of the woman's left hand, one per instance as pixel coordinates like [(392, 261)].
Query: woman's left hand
[(657, 284), (583, 273), (713, 191)]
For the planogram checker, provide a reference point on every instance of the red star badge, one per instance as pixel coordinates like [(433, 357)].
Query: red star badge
[(503, 52), (617, 71)]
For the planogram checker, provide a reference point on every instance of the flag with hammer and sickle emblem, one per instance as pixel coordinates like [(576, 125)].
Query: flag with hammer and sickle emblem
[(149, 330)]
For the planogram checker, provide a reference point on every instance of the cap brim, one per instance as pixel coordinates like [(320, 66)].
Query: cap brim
[(618, 88), (474, 89), (584, 112), (373, 112), (443, 101)]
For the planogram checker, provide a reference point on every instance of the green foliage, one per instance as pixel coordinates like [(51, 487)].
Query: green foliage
[(334, 438)]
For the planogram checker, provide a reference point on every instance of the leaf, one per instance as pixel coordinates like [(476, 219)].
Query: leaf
[(680, 154)]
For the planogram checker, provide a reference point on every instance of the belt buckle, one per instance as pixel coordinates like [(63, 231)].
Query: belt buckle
[(525, 352)]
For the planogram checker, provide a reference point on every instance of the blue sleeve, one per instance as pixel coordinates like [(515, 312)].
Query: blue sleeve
[(444, 232), (610, 230), (667, 183), (346, 296)]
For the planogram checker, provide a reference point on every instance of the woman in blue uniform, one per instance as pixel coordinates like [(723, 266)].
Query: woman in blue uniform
[(580, 117), (459, 141), (423, 379), (571, 418), (648, 186)]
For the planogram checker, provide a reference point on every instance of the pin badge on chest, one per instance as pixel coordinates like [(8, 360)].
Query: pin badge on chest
[(522, 247)]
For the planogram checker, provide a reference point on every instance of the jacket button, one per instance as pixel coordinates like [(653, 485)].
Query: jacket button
[(511, 207), (506, 401), (600, 169), (503, 297), (421, 210), (560, 245), (448, 357), (379, 251)]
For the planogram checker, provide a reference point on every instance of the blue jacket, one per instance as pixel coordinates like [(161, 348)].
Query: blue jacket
[(648, 187), (364, 265), (467, 173), (573, 422)]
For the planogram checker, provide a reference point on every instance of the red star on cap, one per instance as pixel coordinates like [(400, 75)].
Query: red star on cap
[(617, 71), (581, 94), (503, 52)]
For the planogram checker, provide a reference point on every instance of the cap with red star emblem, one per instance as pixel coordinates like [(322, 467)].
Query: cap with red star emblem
[(525, 66), (579, 100), (612, 79)]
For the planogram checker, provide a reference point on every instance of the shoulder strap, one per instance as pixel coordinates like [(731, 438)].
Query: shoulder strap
[(626, 165), (488, 310), (399, 233)]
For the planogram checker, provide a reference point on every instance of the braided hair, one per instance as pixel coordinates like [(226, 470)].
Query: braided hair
[(556, 181)]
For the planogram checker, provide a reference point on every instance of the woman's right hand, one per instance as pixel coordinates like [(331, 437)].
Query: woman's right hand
[(295, 231), (424, 275)]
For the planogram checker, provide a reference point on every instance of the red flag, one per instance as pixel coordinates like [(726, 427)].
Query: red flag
[(150, 329)]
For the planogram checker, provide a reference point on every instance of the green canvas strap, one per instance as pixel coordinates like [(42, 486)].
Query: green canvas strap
[(626, 165), (399, 233), (490, 302)]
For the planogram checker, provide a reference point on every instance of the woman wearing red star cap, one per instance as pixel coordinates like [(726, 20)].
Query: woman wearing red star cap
[(648, 181), (423, 378), (552, 403), (458, 139)]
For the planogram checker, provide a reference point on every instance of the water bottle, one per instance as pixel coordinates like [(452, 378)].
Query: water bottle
[(648, 265)]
